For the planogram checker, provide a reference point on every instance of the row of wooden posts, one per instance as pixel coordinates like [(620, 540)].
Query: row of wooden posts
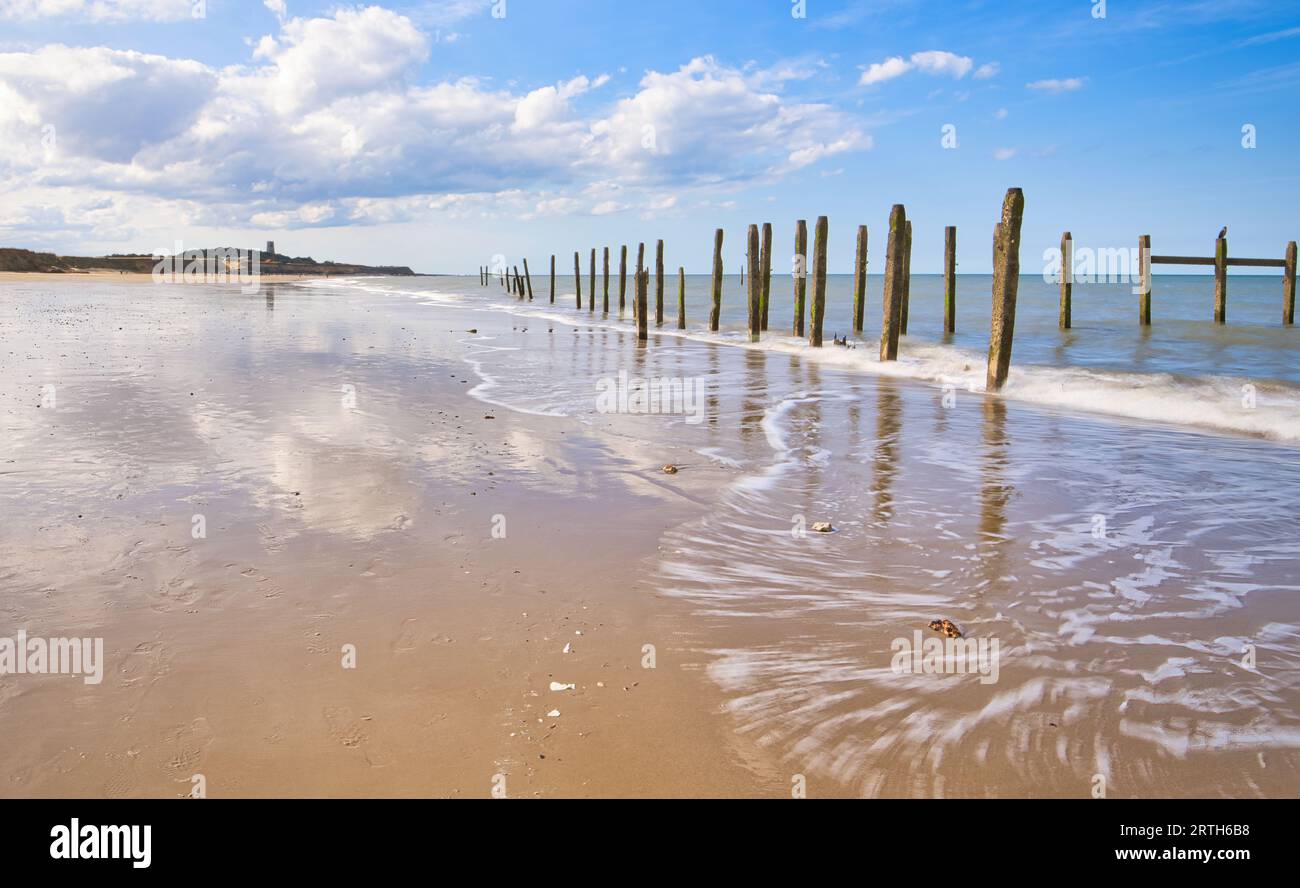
[(897, 282), (898, 253)]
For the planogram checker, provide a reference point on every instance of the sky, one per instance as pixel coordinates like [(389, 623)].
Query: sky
[(439, 134)]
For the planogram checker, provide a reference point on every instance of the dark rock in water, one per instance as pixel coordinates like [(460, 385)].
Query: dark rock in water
[(670, 470)]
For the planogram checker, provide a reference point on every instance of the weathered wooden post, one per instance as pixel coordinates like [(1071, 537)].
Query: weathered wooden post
[(1288, 286), (1221, 281), (800, 274), (860, 280), (891, 300), (755, 286), (907, 279), (659, 283), (640, 264), (1144, 277), (681, 297), (642, 310), (552, 279), (1067, 281), (950, 279), (528, 279), (765, 269), (1006, 282), (519, 284), (820, 233), (577, 277), (605, 304), (622, 278), (715, 314), (591, 289)]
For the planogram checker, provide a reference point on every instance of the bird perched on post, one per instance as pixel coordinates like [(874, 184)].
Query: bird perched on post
[(1223, 233)]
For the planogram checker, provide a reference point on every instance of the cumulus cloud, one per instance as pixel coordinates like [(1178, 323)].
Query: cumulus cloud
[(295, 138), (1069, 84), (935, 62)]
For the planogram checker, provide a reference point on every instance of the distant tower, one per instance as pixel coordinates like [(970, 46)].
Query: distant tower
[(270, 247)]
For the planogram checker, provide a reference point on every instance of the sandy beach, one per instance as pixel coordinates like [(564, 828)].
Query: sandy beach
[(417, 519), (330, 524)]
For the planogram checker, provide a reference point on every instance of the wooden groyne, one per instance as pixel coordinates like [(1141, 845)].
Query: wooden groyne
[(895, 294)]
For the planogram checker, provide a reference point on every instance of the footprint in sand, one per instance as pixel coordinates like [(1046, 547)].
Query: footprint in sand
[(149, 661), (349, 731), (406, 638), (185, 746)]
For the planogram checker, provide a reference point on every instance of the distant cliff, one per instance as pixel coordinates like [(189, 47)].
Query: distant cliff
[(12, 259)]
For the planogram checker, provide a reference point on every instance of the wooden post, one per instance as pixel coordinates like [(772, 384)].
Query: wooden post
[(800, 274), (1221, 281), (820, 233), (681, 298), (659, 283), (605, 304), (642, 310), (742, 274), (640, 264), (577, 278), (950, 279), (528, 279), (591, 289), (755, 286), (715, 314), (552, 279), (860, 280), (765, 269), (1288, 286), (622, 278), (1144, 272), (891, 300), (1006, 281), (1067, 281), (519, 284), (907, 278)]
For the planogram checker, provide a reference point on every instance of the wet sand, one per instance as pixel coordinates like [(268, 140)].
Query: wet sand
[(330, 524), (338, 444)]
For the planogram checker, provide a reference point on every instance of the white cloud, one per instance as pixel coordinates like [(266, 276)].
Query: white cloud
[(99, 10), (936, 62), (1057, 86), (296, 137), (879, 72), (940, 62), (1001, 114), (987, 71), (1005, 153)]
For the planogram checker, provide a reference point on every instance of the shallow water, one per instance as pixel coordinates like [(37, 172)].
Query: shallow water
[(1124, 567)]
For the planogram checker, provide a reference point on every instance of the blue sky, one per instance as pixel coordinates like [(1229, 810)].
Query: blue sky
[(436, 134)]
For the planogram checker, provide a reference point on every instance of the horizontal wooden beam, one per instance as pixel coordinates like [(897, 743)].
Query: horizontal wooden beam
[(1182, 260), (1209, 260), (1258, 263)]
